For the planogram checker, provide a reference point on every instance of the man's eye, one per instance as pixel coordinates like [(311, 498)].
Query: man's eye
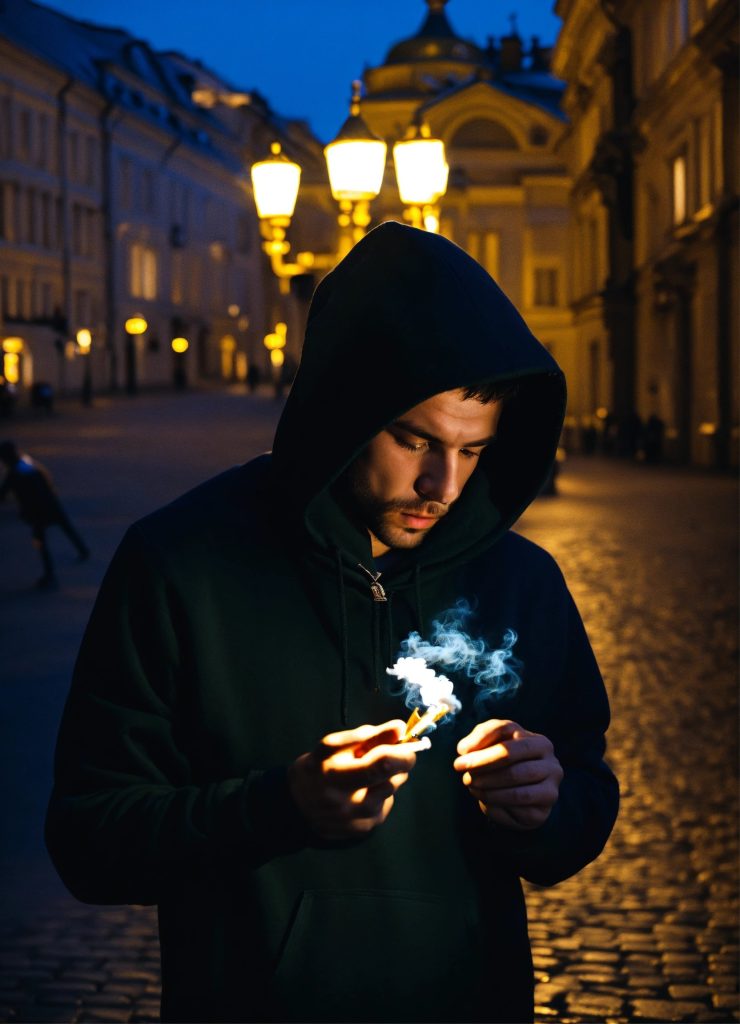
[(409, 445), (468, 454)]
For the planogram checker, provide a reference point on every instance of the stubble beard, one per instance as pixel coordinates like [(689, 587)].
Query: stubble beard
[(378, 515)]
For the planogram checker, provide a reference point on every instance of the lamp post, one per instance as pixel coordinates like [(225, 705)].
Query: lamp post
[(84, 343), (134, 326), (356, 161), (179, 348), (421, 172), (275, 344)]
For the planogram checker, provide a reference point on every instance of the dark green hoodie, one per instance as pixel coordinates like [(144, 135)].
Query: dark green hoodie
[(235, 628)]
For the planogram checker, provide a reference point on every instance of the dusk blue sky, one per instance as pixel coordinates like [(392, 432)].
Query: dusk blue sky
[(303, 54)]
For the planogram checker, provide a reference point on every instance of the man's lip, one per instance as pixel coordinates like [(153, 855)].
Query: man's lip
[(419, 522)]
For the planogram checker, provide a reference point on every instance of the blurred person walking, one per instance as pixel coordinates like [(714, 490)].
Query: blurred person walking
[(39, 506)]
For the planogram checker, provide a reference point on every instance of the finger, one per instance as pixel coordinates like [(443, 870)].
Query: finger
[(526, 773), (346, 771), (365, 736), (485, 734), (522, 746)]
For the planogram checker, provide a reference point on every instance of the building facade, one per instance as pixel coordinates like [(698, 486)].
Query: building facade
[(122, 196), (652, 104)]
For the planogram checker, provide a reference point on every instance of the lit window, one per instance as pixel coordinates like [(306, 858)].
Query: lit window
[(143, 277), (679, 189), (483, 246), (546, 286)]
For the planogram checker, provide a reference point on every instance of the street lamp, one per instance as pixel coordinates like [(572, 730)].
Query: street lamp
[(421, 172), (134, 326), (179, 347), (275, 344), (355, 161), (84, 343)]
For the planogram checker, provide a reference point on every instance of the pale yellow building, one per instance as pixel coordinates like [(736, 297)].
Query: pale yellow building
[(122, 195), (652, 102)]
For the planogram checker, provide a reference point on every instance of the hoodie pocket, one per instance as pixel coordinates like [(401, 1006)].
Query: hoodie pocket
[(374, 955)]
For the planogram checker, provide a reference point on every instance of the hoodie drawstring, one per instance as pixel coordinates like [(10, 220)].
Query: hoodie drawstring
[(378, 614), (344, 642)]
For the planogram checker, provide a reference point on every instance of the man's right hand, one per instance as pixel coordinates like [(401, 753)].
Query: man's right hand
[(346, 786)]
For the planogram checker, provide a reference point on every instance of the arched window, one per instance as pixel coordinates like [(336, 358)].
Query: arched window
[(482, 133)]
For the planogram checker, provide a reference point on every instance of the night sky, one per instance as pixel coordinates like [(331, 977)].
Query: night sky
[(303, 54)]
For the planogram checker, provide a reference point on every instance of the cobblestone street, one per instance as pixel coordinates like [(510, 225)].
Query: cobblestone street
[(648, 932)]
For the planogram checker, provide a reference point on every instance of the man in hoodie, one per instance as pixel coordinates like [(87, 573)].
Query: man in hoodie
[(231, 748)]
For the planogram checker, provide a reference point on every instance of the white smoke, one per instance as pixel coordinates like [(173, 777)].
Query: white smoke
[(424, 688), (494, 671)]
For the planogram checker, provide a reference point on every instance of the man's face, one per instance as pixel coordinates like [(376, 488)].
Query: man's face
[(413, 471)]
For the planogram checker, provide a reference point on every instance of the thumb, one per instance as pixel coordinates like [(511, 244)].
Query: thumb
[(486, 734)]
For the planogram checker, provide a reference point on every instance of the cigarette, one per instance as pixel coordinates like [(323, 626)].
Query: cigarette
[(419, 723)]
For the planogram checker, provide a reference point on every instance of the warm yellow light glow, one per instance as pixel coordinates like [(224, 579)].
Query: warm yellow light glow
[(421, 170), (707, 429), (277, 339), (680, 191), (227, 343), (242, 365), (355, 167), (277, 357), (602, 413), (11, 367), (356, 158), (84, 339), (431, 220), (234, 309), (275, 182), (135, 325), (180, 345), (13, 345)]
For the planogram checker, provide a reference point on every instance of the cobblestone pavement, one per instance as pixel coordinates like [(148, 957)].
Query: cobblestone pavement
[(648, 932)]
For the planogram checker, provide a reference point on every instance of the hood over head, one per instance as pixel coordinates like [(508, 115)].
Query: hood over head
[(406, 315)]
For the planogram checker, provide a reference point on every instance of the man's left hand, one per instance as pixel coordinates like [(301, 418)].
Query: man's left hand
[(513, 773)]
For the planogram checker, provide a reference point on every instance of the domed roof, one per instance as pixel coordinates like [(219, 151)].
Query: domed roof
[(435, 40)]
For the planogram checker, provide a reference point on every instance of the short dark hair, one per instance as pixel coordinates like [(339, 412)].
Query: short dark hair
[(491, 391)]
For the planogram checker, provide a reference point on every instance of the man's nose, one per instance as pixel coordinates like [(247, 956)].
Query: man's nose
[(439, 480)]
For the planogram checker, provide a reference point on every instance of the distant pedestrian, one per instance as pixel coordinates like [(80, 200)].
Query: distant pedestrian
[(653, 439), (253, 377), (39, 506)]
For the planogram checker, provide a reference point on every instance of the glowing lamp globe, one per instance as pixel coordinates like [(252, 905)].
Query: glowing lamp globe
[(135, 325), (84, 339), (275, 182), (180, 345), (356, 158), (421, 170)]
